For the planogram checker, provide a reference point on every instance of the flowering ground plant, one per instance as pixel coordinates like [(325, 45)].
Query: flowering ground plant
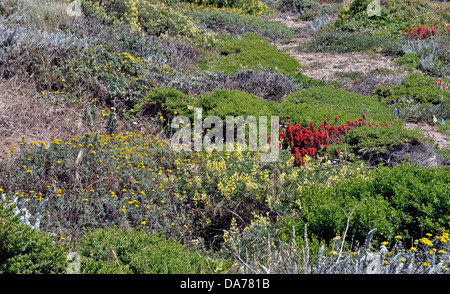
[(315, 142)]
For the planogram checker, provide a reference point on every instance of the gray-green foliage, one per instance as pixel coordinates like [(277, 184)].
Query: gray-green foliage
[(25, 216), (291, 257)]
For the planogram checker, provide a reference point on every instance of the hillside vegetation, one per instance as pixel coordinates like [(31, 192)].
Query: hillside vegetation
[(90, 99)]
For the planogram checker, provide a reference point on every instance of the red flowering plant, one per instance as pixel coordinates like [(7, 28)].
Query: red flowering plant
[(420, 32), (440, 84), (447, 30), (313, 142)]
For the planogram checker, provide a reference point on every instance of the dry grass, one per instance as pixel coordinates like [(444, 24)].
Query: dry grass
[(45, 15), (23, 112), (48, 15)]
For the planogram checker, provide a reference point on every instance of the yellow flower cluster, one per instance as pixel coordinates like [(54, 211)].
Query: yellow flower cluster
[(133, 154)]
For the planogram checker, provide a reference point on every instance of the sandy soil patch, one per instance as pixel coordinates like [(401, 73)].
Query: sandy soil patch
[(442, 140), (319, 65)]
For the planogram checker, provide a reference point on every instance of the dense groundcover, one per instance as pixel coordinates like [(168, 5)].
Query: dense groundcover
[(87, 120)]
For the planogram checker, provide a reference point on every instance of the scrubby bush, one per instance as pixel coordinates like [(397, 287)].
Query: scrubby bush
[(266, 85), (394, 18), (426, 94), (415, 88), (347, 42), (234, 23), (368, 142), (115, 251), (341, 257), (357, 6), (250, 51), (96, 181), (318, 103), (382, 201), (25, 250), (166, 102), (253, 7), (156, 19)]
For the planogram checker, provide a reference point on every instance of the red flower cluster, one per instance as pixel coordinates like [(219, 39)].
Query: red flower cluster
[(321, 1), (439, 83), (421, 32), (447, 30), (314, 142)]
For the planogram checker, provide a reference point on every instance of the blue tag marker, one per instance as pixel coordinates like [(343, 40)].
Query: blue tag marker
[(398, 111), (443, 122)]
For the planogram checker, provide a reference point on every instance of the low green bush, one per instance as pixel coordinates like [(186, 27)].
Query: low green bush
[(404, 200), (224, 103), (346, 42), (166, 102), (410, 61), (418, 80), (235, 23), (417, 88), (24, 250), (375, 140), (115, 251), (250, 51), (318, 103)]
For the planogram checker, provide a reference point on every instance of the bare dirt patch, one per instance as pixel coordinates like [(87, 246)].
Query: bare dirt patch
[(326, 65), (320, 65), (442, 140)]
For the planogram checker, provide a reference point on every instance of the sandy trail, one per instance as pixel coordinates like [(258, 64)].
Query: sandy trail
[(320, 65), (442, 140)]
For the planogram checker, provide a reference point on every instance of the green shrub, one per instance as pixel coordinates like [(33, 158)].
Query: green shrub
[(112, 250), (370, 141), (250, 51), (394, 19), (235, 23), (418, 94), (254, 7), (24, 250), (224, 103), (358, 6), (418, 80), (410, 61), (345, 42), (166, 102), (319, 103), (403, 200)]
